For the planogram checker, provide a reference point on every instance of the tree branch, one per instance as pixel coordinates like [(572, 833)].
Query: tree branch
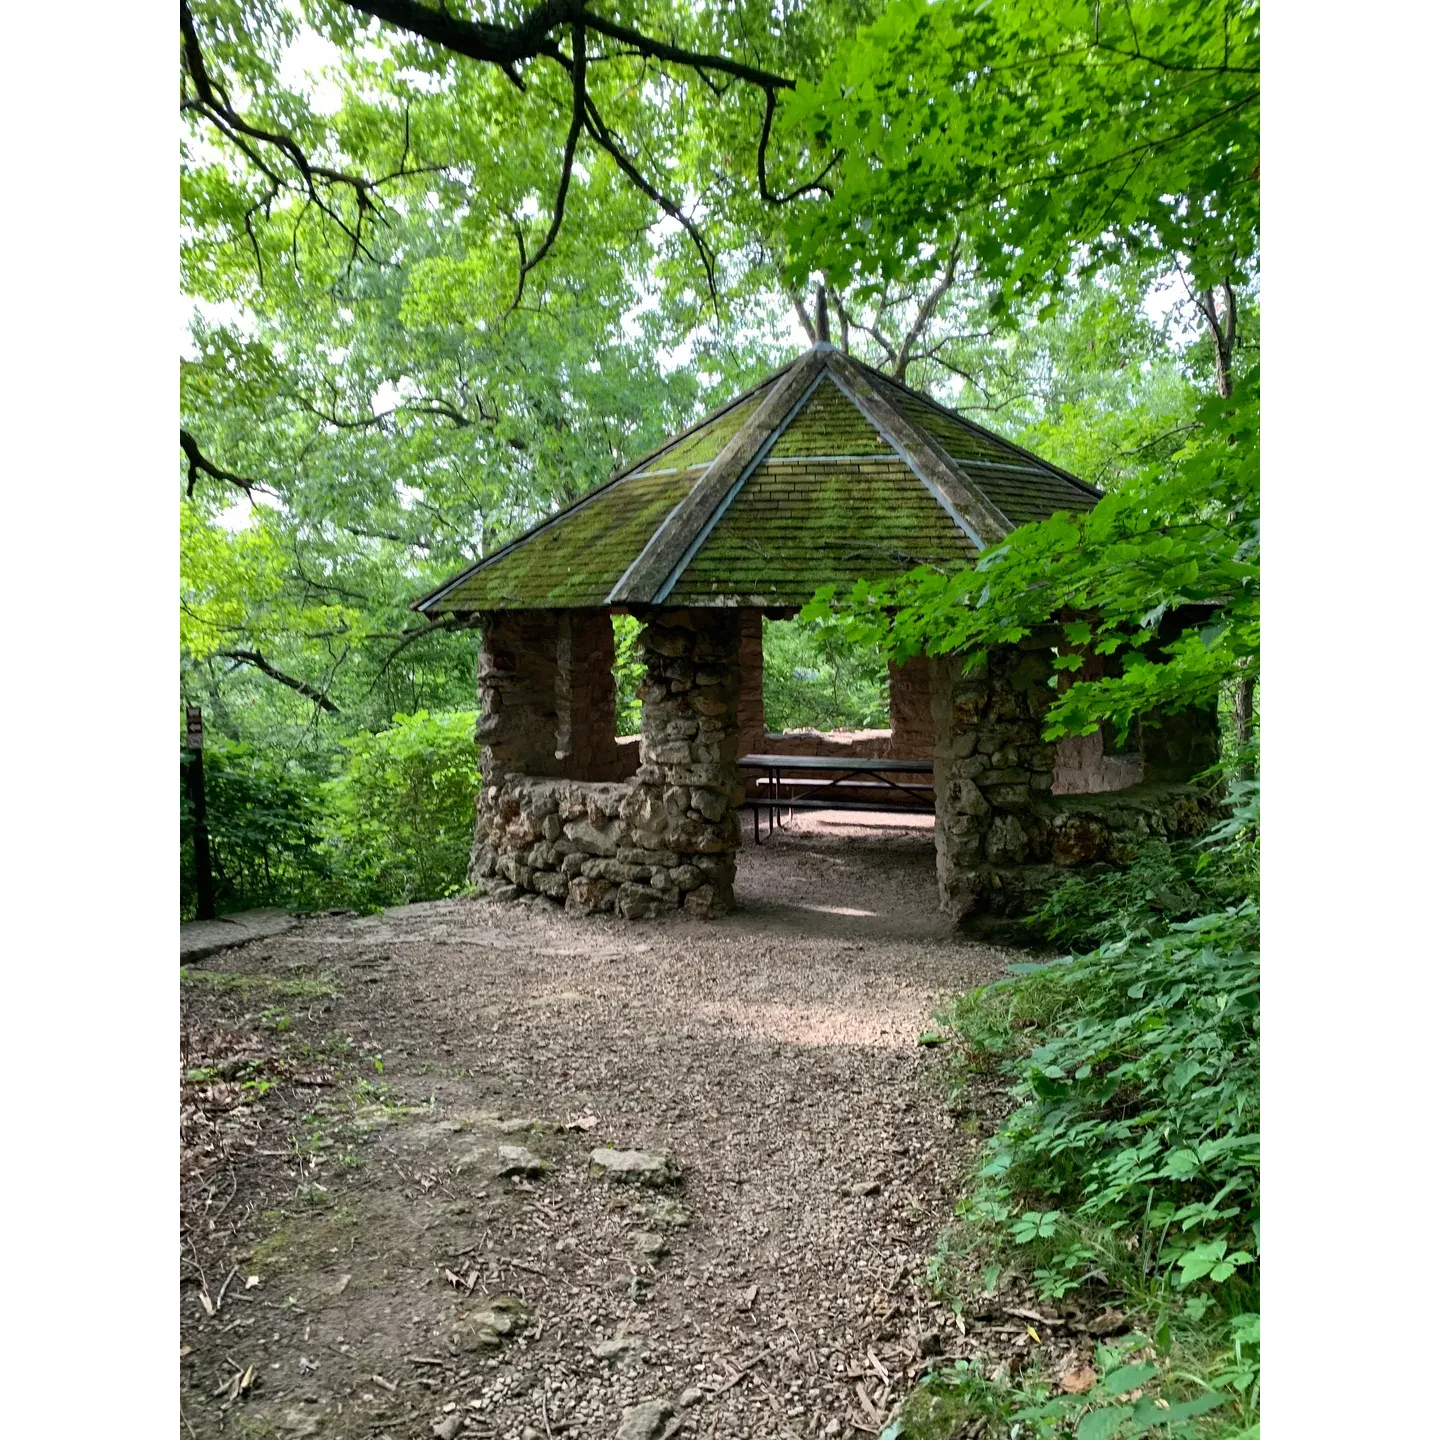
[(577, 120), (255, 658), (198, 465)]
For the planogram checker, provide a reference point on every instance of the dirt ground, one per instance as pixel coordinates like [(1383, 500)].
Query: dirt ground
[(355, 1263)]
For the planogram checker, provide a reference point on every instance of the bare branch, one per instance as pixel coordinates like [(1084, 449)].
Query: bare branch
[(198, 465), (926, 312), (602, 137), (255, 658), (815, 184), (577, 120)]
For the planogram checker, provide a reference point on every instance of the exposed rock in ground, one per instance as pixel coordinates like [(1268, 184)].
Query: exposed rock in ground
[(517, 1160), (644, 1421), (640, 1167)]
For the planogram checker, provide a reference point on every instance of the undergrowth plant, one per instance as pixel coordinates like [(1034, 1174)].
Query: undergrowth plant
[(1128, 1170)]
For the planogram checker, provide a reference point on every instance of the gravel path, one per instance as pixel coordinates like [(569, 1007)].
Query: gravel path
[(776, 1290)]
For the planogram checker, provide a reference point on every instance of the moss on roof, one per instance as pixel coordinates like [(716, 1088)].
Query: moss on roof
[(800, 524), (1024, 488), (821, 498), (576, 559)]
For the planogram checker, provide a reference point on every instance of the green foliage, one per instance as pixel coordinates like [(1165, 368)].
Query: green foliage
[(264, 813), (1161, 885), (402, 810), (817, 678), (629, 672), (1132, 1158), (391, 825), (1048, 137), (1143, 1386), (1185, 537), (1130, 1164)]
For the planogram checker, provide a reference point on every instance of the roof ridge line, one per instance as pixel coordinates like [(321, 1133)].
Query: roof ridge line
[(975, 511), (969, 424), (650, 569), (700, 424), (760, 457)]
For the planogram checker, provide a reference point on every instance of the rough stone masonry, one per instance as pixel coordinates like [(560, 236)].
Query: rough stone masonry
[(567, 812), (664, 838)]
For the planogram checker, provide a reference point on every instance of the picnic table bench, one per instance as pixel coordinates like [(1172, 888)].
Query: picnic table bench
[(810, 782)]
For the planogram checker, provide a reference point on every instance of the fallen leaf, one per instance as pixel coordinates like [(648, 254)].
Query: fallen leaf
[(338, 1288), (1078, 1381), (1033, 1333), (251, 1281), (184, 1351), (1108, 1322)]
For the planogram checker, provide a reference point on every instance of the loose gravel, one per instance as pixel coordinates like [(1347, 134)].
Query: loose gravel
[(434, 1253)]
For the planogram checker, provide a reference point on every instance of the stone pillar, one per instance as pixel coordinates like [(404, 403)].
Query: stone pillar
[(518, 725), (519, 669), (681, 811), (992, 773), (751, 705), (912, 725), (585, 696)]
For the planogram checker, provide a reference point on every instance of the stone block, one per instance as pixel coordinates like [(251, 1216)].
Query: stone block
[(635, 855), (637, 902), (1010, 797), (1014, 775), (966, 799), (664, 640), (705, 902), (1006, 842), (551, 883), (710, 803), (587, 896), (592, 839)]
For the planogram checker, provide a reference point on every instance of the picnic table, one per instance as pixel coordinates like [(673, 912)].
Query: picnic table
[(809, 782)]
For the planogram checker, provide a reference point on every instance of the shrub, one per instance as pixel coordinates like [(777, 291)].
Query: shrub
[(817, 678), (1131, 1162), (264, 814), (401, 812)]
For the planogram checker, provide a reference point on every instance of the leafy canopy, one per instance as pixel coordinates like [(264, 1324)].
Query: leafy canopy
[(1048, 136)]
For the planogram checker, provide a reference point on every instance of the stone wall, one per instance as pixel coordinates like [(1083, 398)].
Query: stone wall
[(572, 842), (682, 804), (750, 703), (1083, 768), (518, 674), (1003, 840), (666, 838), (912, 722)]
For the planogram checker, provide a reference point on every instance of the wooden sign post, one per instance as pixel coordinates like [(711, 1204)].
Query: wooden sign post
[(195, 777)]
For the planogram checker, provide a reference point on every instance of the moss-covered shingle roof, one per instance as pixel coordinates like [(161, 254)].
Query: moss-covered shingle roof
[(826, 472)]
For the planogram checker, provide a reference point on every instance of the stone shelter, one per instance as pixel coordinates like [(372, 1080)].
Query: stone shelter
[(825, 472)]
